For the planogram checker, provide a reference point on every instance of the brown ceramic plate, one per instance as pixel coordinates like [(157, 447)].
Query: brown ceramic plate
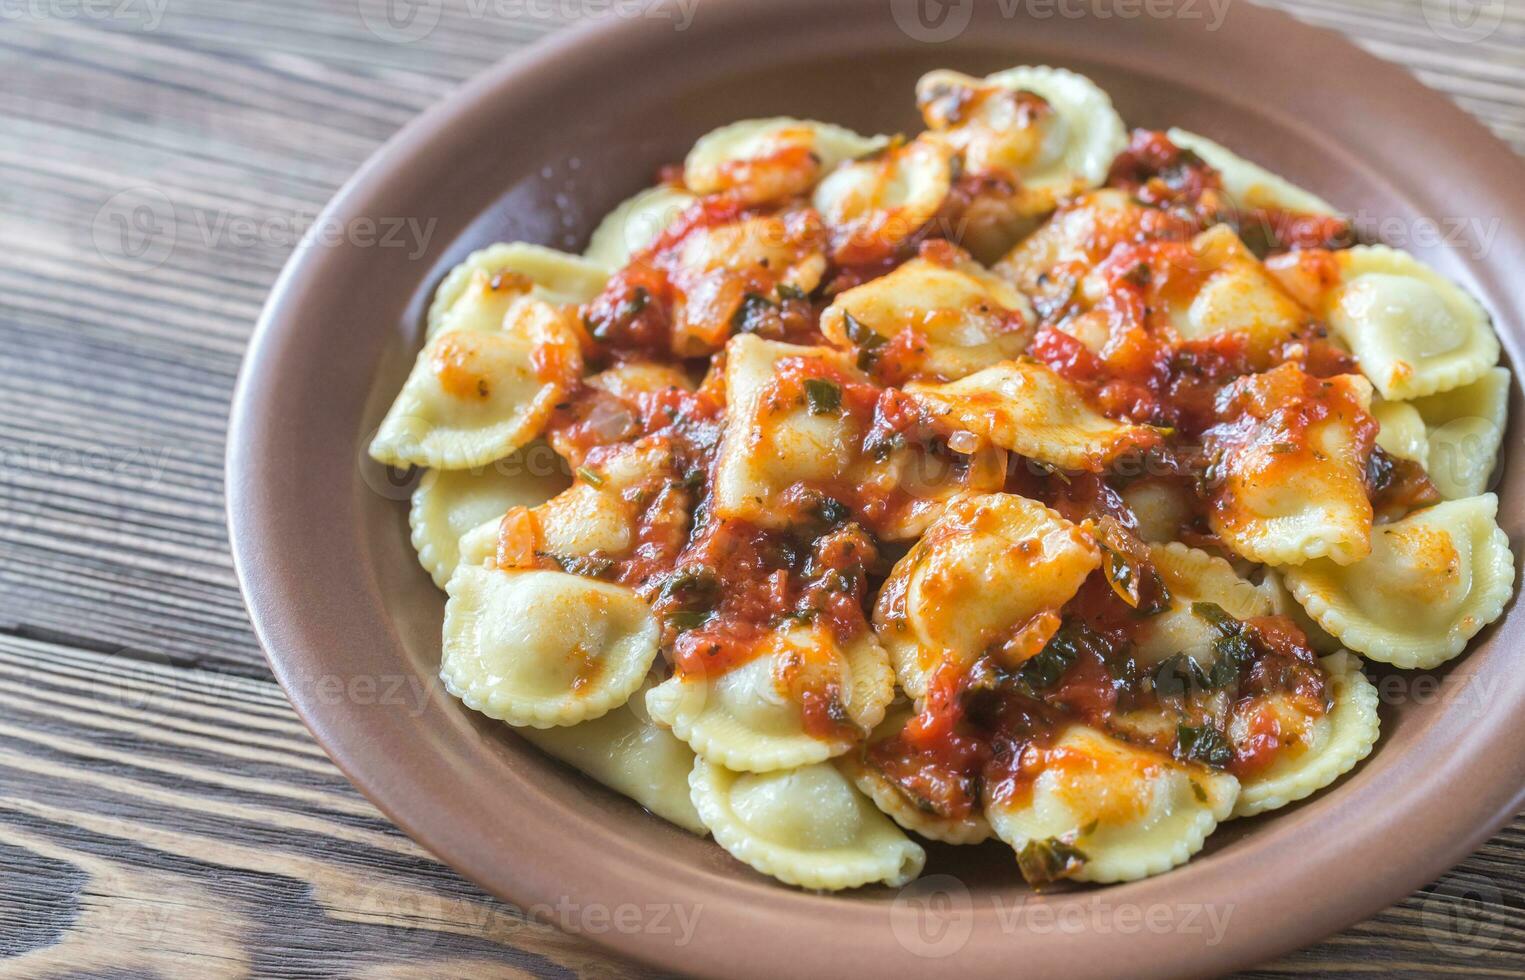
[(538, 149)]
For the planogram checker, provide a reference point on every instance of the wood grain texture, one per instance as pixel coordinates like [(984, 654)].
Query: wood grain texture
[(162, 810)]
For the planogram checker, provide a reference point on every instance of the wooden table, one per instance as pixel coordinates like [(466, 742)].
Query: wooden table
[(162, 810)]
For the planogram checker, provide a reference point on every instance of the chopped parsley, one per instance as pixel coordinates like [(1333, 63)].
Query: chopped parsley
[(1206, 745), (1043, 862), (825, 397)]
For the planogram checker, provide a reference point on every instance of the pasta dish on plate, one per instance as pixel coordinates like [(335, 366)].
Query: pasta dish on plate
[(1029, 479)]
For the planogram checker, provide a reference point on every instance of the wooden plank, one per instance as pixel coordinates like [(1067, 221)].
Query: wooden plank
[(155, 819), (162, 811)]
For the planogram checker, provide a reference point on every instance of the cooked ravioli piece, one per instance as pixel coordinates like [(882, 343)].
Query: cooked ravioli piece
[(1051, 131), (450, 503), (1463, 430), (788, 426), (803, 698), (1283, 604), (1024, 406), (874, 206), (1050, 264), (1161, 508), (1402, 434), (1225, 292), (1413, 331), (1314, 749), (896, 801), (636, 223), (544, 649), (1192, 576), (1250, 186), (939, 318), (594, 520), (938, 605), (475, 396), (1291, 467), (1130, 812), (771, 443), (479, 292), (759, 160), (631, 755), (806, 826), (720, 271), (1431, 582)]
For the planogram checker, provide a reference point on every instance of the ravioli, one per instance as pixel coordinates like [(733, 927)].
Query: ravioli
[(1024, 406), (1050, 130), (1192, 576), (876, 206), (636, 224), (629, 754), (936, 607), (479, 292), (596, 518), (893, 801), (1050, 264), (449, 503), (1463, 430), (1431, 582), (760, 160), (721, 271), (474, 396), (771, 444), (1402, 434), (939, 319), (805, 826), (544, 649), (1250, 186), (1130, 812), (1228, 292), (1413, 331), (1314, 749), (755, 717), (1291, 470)]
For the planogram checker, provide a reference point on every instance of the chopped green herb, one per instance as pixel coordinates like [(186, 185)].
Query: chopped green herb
[(1198, 791), (831, 510), (860, 335), (753, 307), (1217, 617), (1043, 862), (589, 567), (790, 291), (1043, 670), (1180, 675), (1205, 745), (591, 477), (825, 396), (683, 620)]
